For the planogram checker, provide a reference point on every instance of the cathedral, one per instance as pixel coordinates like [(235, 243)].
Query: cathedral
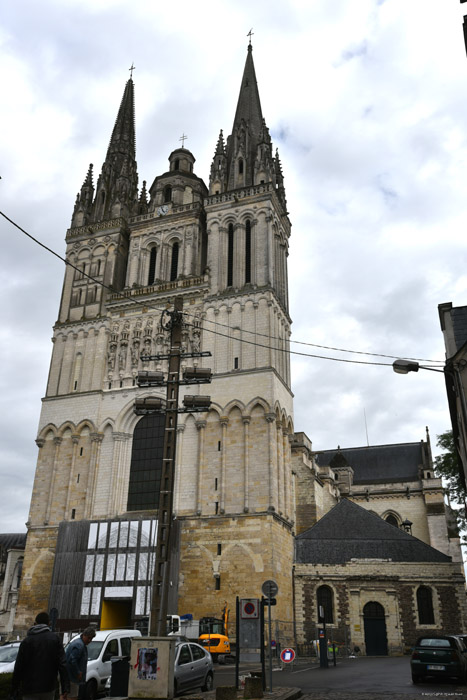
[(249, 490)]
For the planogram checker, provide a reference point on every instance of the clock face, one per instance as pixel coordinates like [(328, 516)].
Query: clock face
[(162, 210)]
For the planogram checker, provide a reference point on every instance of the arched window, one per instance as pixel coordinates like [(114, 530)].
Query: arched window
[(146, 463), (168, 194), (392, 520), (425, 606), (177, 164), (174, 262), (230, 252), (325, 600), (247, 252), (152, 266), (240, 166)]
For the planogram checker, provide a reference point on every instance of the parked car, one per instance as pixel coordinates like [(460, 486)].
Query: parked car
[(439, 656), (193, 667), (8, 654), (106, 643)]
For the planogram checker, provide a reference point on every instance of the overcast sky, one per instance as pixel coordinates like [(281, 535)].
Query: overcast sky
[(367, 103)]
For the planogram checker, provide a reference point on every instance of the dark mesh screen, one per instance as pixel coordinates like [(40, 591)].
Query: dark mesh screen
[(146, 463)]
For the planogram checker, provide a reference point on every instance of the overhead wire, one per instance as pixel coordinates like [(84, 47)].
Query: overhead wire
[(146, 305), (323, 347)]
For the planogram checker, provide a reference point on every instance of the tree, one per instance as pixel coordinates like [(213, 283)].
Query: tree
[(448, 468)]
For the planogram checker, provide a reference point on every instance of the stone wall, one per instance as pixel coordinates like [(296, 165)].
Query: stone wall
[(394, 586)]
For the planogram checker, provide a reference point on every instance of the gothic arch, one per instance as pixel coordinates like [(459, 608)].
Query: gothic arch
[(45, 559), (127, 419), (68, 425), (256, 559), (50, 428), (107, 423), (257, 401), (392, 517), (235, 403), (85, 424)]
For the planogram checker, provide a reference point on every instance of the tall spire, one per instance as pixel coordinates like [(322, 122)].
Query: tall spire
[(249, 150), (83, 204), (117, 186), (249, 105)]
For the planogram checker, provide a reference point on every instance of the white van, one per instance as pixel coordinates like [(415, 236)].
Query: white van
[(106, 643)]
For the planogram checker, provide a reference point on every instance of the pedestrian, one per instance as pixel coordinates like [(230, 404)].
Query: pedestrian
[(40, 658), (77, 661)]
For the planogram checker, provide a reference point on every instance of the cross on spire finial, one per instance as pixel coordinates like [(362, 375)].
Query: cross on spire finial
[(250, 34), (183, 138), (131, 69)]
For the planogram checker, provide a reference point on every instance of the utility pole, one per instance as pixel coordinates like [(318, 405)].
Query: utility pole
[(160, 586), (172, 321)]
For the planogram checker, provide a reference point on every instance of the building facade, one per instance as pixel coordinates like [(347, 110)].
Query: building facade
[(223, 249), (245, 483)]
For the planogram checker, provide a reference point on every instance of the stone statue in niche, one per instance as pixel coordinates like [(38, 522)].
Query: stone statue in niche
[(135, 353), (146, 348), (111, 356), (122, 356), (196, 340)]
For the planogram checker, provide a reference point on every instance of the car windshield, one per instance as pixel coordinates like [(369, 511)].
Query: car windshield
[(8, 654), (94, 649)]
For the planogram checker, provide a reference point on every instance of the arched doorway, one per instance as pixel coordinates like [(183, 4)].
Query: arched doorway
[(376, 641)]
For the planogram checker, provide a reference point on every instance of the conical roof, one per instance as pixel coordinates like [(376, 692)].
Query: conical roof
[(249, 105), (123, 134)]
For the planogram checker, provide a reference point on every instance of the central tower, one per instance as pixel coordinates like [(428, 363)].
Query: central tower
[(224, 249)]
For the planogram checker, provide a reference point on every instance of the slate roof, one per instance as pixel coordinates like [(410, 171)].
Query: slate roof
[(349, 531), (10, 540), (378, 464), (459, 323)]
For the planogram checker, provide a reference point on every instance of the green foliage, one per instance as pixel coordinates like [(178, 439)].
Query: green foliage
[(448, 468)]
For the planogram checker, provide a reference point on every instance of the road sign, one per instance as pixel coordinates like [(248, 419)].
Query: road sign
[(249, 608), (270, 601), (270, 589), (287, 655)]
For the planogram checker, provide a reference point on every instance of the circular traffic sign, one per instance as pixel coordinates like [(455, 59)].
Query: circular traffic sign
[(287, 655), (249, 608), (270, 589)]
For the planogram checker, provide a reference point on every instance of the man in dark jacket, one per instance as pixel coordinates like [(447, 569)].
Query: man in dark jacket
[(77, 660), (40, 658)]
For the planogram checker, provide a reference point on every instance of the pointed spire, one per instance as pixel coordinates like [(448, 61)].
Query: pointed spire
[(217, 176), (220, 148), (249, 105), (83, 204), (117, 186), (143, 200)]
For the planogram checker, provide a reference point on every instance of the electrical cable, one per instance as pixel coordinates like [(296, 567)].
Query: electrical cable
[(230, 337), (323, 347)]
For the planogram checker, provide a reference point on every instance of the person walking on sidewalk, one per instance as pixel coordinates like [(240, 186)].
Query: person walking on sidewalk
[(77, 660), (40, 658)]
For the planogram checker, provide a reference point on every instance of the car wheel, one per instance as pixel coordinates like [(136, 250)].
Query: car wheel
[(208, 683), (415, 679), (91, 690)]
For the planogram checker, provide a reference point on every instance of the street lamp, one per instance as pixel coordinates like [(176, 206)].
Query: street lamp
[(406, 366)]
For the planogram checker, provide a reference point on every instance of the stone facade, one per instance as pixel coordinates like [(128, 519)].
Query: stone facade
[(223, 249), (245, 483), (394, 586)]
